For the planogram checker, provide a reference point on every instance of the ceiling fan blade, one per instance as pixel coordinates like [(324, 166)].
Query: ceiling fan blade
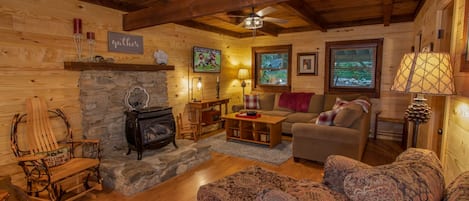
[(275, 20), (265, 11)]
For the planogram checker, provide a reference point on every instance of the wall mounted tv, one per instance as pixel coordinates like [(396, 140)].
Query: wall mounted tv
[(206, 60)]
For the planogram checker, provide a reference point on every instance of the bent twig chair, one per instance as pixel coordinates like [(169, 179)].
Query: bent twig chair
[(55, 166)]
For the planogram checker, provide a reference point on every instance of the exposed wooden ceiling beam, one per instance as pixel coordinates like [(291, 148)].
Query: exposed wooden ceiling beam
[(395, 19), (116, 4), (419, 6), (205, 27), (307, 13), (180, 10), (298, 29), (387, 12)]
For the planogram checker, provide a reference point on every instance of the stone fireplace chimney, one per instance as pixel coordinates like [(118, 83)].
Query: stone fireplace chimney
[(102, 95)]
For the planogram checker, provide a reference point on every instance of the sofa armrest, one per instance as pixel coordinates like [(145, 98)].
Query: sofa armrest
[(237, 108), (337, 167)]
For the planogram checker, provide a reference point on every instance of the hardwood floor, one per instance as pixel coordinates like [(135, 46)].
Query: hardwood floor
[(185, 186)]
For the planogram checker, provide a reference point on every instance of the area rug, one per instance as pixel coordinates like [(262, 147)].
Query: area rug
[(277, 155)]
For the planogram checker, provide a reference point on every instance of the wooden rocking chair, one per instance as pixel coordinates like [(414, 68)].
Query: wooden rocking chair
[(51, 165), (186, 128)]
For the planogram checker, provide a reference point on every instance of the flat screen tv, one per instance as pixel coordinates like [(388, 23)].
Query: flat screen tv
[(206, 60)]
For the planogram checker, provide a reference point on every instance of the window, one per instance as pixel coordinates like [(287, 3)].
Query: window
[(272, 68), (354, 67)]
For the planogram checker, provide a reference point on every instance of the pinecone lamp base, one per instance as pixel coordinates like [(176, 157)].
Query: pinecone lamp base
[(418, 112)]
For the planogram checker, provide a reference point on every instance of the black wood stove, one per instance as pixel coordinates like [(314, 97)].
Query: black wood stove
[(149, 128)]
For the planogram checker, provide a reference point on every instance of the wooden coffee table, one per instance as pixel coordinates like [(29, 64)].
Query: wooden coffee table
[(265, 129)]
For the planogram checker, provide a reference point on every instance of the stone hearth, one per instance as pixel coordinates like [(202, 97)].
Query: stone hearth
[(102, 97), (127, 175)]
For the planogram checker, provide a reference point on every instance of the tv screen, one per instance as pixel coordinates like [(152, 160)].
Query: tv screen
[(206, 60)]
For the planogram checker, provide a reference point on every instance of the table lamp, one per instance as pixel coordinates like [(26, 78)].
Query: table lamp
[(243, 74), (197, 82), (423, 73)]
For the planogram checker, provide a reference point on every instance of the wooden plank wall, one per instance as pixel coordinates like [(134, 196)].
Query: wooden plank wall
[(455, 144), (36, 38), (397, 41)]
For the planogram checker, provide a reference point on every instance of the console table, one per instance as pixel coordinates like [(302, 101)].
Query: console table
[(203, 114)]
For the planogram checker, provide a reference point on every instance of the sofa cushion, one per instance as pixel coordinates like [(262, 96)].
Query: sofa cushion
[(316, 104), (347, 115), (337, 167), (277, 113), (458, 189), (330, 99), (405, 180), (274, 194), (266, 101), (300, 117), (251, 102), (310, 190)]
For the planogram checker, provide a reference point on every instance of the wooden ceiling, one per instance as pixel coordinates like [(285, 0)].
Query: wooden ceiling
[(302, 15)]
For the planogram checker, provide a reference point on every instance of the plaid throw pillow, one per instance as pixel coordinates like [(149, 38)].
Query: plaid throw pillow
[(327, 117), (252, 102)]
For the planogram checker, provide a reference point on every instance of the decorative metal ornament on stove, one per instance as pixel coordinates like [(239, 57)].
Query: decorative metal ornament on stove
[(137, 98)]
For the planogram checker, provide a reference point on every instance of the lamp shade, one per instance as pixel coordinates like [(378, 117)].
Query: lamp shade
[(243, 74), (425, 73)]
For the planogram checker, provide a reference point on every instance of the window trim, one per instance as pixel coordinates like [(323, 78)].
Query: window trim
[(370, 92), (256, 51)]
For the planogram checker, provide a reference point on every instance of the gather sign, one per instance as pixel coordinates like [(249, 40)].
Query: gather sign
[(125, 43)]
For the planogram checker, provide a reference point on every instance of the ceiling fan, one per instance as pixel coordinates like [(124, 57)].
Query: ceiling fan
[(255, 20)]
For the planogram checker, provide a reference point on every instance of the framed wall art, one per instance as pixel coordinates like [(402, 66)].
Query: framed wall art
[(206, 60), (307, 63)]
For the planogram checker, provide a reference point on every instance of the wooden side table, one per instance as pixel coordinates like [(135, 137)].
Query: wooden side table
[(402, 121), (197, 108)]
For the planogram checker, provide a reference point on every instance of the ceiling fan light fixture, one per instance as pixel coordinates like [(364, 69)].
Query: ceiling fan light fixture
[(253, 22)]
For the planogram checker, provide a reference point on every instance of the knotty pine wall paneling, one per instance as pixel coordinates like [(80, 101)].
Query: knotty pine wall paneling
[(36, 38), (397, 41)]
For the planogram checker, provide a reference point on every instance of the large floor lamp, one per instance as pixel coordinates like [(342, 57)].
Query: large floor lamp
[(423, 73)]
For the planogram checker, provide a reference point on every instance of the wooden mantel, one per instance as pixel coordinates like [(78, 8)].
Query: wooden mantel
[(78, 66)]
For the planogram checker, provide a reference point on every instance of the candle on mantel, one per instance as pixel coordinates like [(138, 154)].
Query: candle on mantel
[(76, 25), (218, 79), (90, 35)]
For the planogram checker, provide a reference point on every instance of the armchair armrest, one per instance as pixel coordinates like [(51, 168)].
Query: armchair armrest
[(94, 150), (30, 158), (337, 167)]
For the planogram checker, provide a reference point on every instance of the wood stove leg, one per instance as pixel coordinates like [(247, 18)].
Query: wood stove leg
[(139, 155), (174, 143), (128, 152)]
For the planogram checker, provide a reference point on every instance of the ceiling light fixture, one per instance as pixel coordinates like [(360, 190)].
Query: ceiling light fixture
[(254, 21)]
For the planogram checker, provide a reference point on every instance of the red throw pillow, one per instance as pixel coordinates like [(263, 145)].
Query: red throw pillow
[(252, 102)]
